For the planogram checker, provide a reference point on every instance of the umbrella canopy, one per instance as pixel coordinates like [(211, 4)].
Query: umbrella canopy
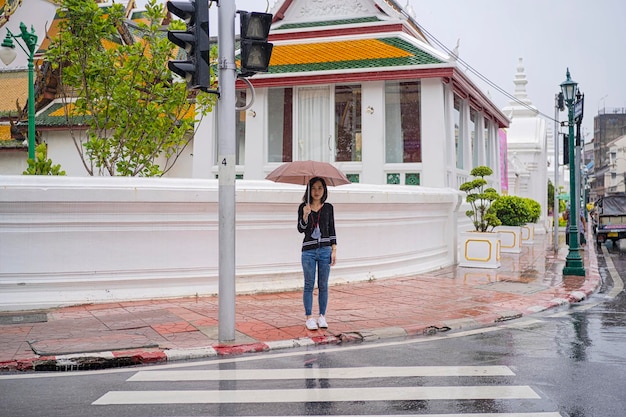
[(300, 172)]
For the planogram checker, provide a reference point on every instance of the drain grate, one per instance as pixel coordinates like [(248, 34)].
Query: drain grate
[(512, 287), (22, 318)]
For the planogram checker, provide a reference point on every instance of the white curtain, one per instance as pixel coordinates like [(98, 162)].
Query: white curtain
[(314, 137), (394, 145)]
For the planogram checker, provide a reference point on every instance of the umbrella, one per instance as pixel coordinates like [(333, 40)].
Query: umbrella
[(301, 172)]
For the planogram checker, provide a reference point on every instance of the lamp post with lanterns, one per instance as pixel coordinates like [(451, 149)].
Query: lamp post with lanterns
[(7, 55), (573, 261)]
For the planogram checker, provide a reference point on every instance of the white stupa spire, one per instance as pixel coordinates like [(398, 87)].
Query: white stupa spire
[(522, 106)]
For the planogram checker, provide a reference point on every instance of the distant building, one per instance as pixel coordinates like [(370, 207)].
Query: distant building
[(615, 176), (609, 124)]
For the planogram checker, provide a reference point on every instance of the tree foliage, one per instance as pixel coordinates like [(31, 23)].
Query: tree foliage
[(480, 198), (138, 119), (41, 165)]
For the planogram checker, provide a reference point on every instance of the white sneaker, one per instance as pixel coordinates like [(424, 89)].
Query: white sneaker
[(311, 324), (321, 321)]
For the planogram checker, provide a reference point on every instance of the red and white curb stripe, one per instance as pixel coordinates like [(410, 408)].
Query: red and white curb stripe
[(112, 359)]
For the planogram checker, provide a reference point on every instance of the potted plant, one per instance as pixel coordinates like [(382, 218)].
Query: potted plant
[(528, 230), (513, 212), (480, 247)]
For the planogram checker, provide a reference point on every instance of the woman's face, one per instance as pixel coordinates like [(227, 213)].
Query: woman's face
[(317, 190)]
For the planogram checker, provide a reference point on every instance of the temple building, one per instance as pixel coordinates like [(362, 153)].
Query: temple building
[(354, 83)]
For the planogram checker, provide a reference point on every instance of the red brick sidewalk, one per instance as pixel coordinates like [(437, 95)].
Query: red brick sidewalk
[(116, 334)]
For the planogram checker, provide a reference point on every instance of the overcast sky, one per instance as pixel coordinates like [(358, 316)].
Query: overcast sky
[(587, 36)]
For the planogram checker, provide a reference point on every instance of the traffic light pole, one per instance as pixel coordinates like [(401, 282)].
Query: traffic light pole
[(226, 160)]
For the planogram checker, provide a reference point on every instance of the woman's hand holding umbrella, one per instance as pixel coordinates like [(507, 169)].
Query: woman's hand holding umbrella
[(305, 212)]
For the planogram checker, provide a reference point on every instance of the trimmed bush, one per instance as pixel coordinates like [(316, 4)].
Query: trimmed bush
[(534, 209), (480, 199), (511, 210)]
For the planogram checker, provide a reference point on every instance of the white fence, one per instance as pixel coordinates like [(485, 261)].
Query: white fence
[(69, 240)]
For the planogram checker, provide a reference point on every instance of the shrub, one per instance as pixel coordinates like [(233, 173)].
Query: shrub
[(511, 210), (480, 199), (534, 209), (41, 165)]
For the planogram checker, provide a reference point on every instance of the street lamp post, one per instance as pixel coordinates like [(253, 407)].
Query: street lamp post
[(573, 261), (7, 55)]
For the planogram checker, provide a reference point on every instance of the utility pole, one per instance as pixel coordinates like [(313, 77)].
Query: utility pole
[(558, 106), (226, 146)]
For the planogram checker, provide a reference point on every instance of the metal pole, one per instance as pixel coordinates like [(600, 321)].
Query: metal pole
[(31, 107), (573, 261), (557, 138), (30, 39), (578, 164), (227, 163)]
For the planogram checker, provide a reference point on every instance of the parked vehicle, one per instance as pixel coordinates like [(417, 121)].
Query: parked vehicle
[(610, 218)]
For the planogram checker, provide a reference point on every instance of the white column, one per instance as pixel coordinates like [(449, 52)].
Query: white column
[(466, 140), (480, 139), (449, 138), (433, 137), (256, 136), (373, 131)]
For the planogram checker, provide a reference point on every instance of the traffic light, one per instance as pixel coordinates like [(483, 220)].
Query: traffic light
[(255, 50), (561, 102), (194, 40), (565, 149)]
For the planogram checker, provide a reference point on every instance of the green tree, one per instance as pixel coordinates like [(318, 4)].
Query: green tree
[(41, 165), (550, 195), (114, 80)]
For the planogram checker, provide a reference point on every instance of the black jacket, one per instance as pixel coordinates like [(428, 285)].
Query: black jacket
[(326, 221)]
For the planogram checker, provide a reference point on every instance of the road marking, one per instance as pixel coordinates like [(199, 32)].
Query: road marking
[(520, 323), (618, 284), (321, 373), (547, 414), (317, 395)]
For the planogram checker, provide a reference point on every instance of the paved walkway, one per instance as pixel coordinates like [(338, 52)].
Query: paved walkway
[(452, 298)]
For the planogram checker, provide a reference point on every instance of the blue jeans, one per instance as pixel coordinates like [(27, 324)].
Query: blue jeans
[(311, 260)]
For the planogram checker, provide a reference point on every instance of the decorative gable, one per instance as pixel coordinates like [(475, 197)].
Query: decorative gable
[(308, 10)]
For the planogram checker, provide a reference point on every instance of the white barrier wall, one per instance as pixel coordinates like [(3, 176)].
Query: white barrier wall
[(69, 240)]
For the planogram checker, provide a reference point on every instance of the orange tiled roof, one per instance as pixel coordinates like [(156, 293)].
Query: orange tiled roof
[(5, 132), (55, 115), (14, 86), (349, 50), (390, 51)]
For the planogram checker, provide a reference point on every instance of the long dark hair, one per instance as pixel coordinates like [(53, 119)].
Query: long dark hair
[(307, 194)]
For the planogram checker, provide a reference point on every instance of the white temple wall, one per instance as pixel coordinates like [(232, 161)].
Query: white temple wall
[(75, 240)]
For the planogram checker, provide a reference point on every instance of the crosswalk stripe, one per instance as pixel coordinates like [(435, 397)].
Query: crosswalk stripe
[(321, 373), (317, 395), (542, 414)]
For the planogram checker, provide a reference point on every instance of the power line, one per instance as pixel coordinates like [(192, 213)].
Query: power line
[(481, 76)]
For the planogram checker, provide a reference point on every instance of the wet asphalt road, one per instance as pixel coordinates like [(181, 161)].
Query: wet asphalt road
[(569, 363)]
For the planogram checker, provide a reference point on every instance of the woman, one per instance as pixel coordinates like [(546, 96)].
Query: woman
[(316, 219)]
